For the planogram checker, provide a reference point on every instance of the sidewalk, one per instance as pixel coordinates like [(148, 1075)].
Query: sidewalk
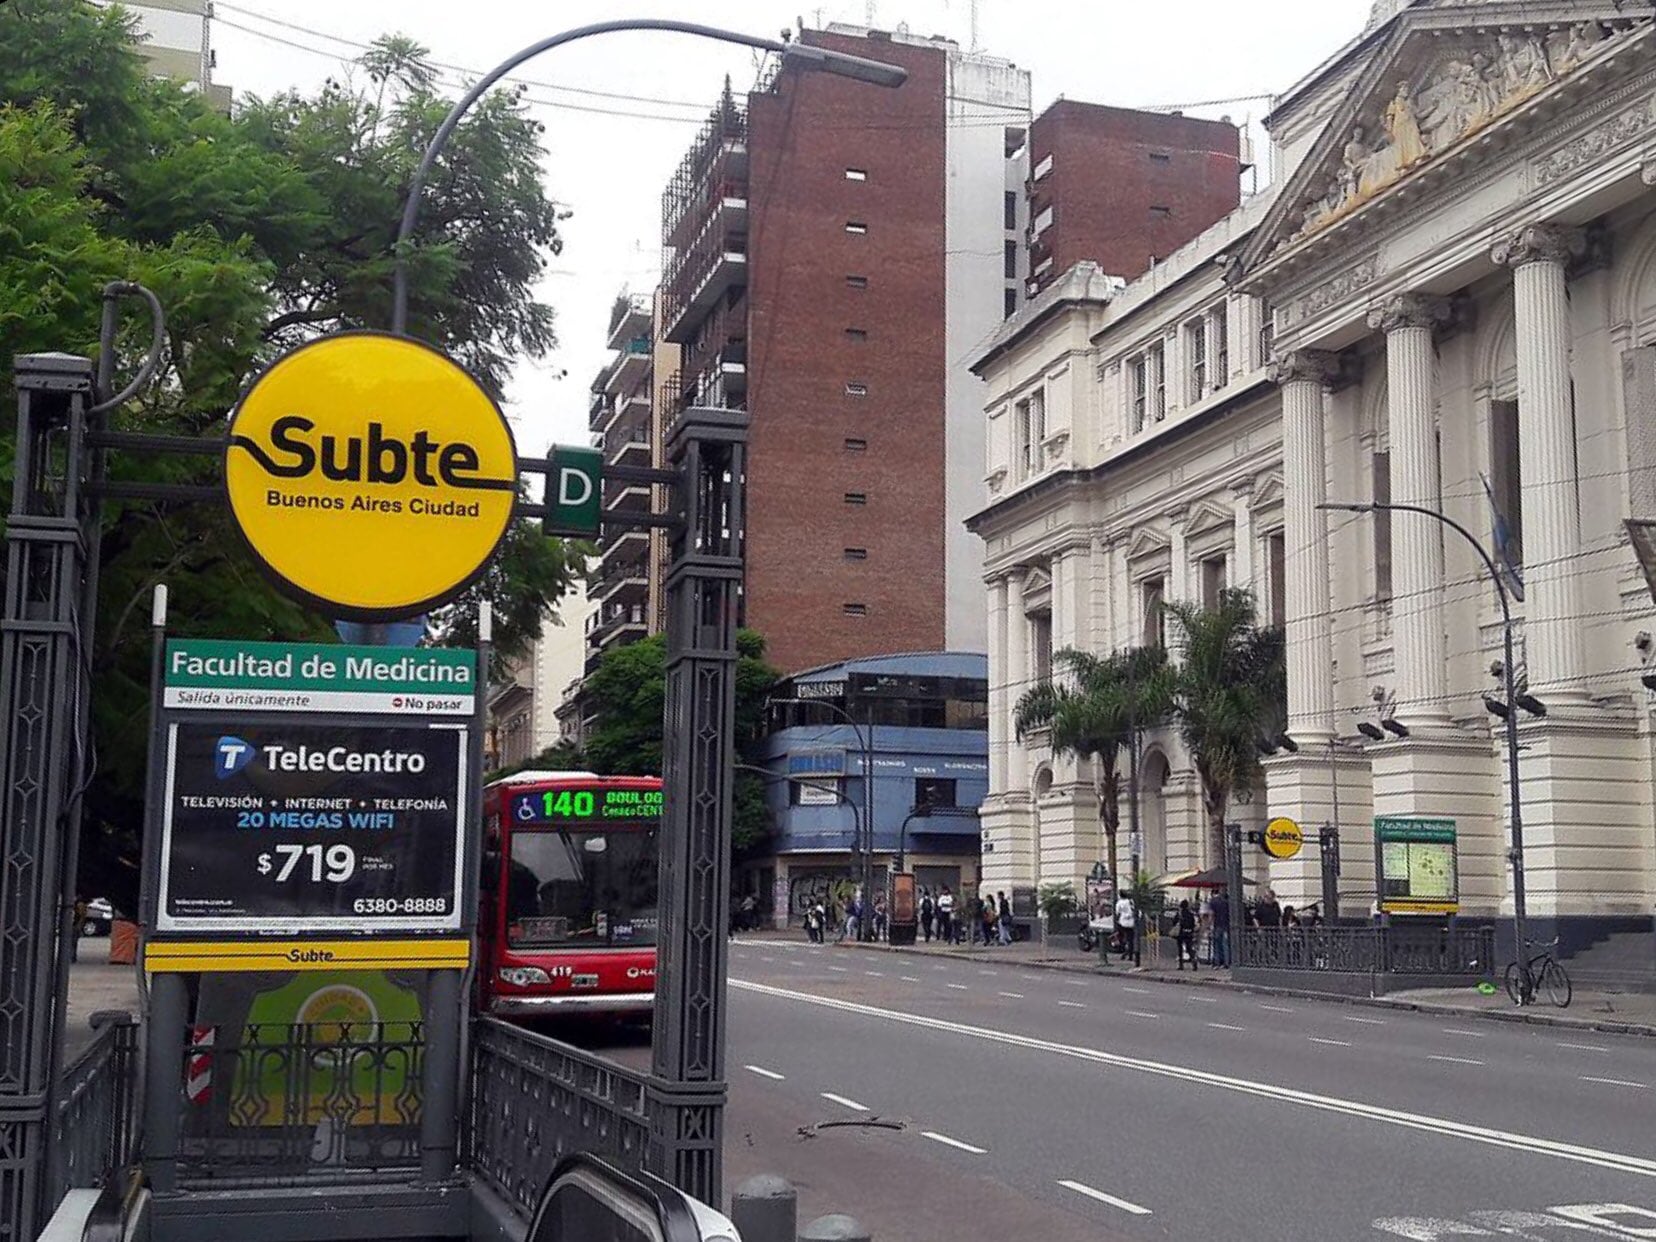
[(1613, 1012)]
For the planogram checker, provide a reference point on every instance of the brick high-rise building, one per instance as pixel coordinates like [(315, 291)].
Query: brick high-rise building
[(1123, 188)]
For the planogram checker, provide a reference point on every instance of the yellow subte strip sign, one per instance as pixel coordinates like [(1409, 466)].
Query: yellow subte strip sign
[(226, 955)]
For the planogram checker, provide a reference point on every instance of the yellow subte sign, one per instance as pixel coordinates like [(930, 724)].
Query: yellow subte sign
[(371, 475), (1283, 838), (236, 955)]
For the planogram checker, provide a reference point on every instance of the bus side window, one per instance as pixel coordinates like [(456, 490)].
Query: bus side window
[(487, 883)]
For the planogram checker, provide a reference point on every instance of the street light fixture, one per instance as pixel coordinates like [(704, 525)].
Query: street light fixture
[(841, 64), (1370, 731), (1394, 727), (1515, 855)]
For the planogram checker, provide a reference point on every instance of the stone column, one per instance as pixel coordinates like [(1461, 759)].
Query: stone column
[(1242, 552), (1417, 540), (1016, 680), (1305, 376), (1000, 702), (1546, 441), (1126, 629)]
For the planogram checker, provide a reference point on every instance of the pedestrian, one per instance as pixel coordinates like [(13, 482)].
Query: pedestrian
[(81, 910), (1126, 923), (927, 913), (1005, 919), (813, 922), (853, 918), (1221, 928), (945, 915), (1289, 918), (1266, 911), (1204, 927), (880, 917), (1185, 933), (990, 917)]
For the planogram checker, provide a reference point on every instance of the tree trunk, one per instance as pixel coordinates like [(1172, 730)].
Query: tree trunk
[(1109, 814), (1215, 803)]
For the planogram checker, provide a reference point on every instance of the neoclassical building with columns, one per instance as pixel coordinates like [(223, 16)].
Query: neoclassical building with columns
[(1448, 300)]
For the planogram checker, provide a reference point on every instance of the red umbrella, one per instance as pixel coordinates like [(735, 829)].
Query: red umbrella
[(1213, 877)]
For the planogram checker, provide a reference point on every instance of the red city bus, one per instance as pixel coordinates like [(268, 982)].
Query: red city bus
[(568, 919)]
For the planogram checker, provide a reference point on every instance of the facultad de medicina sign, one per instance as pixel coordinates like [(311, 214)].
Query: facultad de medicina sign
[(219, 675)]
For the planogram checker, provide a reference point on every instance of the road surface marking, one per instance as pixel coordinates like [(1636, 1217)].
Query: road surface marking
[(1366, 1021), (765, 1073), (1205, 1000), (959, 987), (1081, 1188), (1455, 1030), (909, 978), (1226, 1026), (1012, 995), (849, 1103), (840, 970), (771, 960), (875, 974), (1140, 991), (1616, 1082), (935, 1137), (1276, 1008), (1139, 1013), (1583, 1047), (1600, 1157), (1334, 1043), (1432, 1056), (1073, 1004), (940, 968), (988, 972)]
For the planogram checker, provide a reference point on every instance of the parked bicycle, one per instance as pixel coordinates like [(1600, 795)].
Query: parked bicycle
[(1541, 973)]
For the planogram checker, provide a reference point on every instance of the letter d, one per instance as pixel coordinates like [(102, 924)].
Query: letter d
[(574, 487)]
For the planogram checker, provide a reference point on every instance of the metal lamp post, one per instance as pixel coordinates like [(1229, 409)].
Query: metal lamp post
[(1515, 855)]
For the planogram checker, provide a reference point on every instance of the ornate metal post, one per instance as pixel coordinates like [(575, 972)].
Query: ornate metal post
[(42, 710), (707, 448)]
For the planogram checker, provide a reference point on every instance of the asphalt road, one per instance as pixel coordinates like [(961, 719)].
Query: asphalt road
[(1023, 1103)]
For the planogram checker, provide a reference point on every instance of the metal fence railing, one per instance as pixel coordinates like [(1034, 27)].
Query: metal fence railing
[(534, 1100), (93, 1124), (1394, 948), (336, 1099)]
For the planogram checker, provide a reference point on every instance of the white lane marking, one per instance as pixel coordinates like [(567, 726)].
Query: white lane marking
[(1081, 983), (1276, 1008), (940, 968), (1139, 1013), (1334, 1043), (839, 970), (1073, 1004), (1012, 995), (1455, 1030), (959, 987), (875, 974), (1366, 1021), (1081, 1188), (1432, 1056), (1616, 1082), (765, 1073), (935, 1137), (849, 1103), (909, 978), (1617, 1161), (988, 972), (1204, 1000), (1226, 1026), (1583, 1047), (1140, 991), (772, 960)]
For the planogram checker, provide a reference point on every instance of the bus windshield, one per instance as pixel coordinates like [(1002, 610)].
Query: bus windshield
[(574, 887)]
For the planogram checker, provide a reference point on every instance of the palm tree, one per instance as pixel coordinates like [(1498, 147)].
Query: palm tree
[(1230, 689), (1094, 711)]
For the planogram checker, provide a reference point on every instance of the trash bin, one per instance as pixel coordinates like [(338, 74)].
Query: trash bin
[(123, 942)]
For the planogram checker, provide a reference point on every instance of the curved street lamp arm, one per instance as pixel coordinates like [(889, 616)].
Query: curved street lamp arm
[(845, 65), (1477, 544)]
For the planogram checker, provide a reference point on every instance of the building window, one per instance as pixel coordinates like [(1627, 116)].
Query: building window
[(1010, 263), (1160, 157), (854, 444), (1506, 482), (1031, 426), (854, 610), (1042, 168), (856, 174), (857, 282), (1219, 323), (1138, 376), (1011, 210), (1267, 333), (1043, 222), (856, 554), (1380, 489), (1276, 577), (934, 791), (856, 334), (856, 498), (1196, 351), (856, 226), (1214, 580), (1153, 593), (1040, 646), (1156, 364), (1161, 212), (1009, 302), (855, 389)]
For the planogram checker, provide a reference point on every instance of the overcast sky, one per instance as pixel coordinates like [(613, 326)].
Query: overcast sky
[(609, 169)]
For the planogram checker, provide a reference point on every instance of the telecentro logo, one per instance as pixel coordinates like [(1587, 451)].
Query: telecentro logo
[(230, 756)]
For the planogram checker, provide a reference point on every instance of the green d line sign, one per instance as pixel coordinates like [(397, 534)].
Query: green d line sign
[(574, 491), (217, 675)]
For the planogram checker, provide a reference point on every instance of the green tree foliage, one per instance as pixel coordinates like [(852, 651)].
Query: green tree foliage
[(1229, 689), (257, 231), (1092, 710), (628, 690)]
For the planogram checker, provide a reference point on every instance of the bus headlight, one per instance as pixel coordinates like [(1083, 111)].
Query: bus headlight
[(524, 976)]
